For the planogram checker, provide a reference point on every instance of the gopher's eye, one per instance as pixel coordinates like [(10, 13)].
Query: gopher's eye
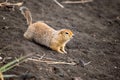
[(66, 32)]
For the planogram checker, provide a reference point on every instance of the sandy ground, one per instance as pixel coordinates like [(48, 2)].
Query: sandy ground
[(96, 26)]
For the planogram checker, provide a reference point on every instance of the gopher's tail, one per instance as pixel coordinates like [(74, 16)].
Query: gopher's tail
[(27, 14)]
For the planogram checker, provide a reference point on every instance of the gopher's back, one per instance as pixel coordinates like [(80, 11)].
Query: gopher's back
[(42, 33)]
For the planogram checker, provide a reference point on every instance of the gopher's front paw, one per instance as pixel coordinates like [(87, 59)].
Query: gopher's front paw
[(61, 52), (65, 52)]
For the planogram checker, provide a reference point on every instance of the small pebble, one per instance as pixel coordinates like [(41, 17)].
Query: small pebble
[(5, 27), (1, 58), (4, 18), (115, 67), (77, 78)]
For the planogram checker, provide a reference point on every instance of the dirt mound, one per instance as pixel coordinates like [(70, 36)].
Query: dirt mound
[(97, 39)]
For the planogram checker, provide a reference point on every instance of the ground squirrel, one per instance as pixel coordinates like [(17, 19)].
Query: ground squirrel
[(44, 34)]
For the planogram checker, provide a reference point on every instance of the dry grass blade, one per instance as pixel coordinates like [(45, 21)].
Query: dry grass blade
[(10, 76), (52, 62), (18, 4), (1, 76), (10, 4), (76, 2)]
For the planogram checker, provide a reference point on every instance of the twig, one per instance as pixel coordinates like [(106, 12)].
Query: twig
[(76, 2), (42, 56), (6, 0), (83, 63), (58, 3), (87, 63), (52, 62)]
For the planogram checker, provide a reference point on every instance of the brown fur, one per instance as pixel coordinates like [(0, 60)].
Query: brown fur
[(45, 35)]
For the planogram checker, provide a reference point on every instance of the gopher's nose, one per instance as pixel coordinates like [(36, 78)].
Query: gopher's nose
[(73, 35)]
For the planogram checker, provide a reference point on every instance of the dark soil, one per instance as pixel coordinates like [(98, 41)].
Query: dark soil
[(96, 26)]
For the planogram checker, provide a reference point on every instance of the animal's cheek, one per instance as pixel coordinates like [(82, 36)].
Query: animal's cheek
[(68, 36)]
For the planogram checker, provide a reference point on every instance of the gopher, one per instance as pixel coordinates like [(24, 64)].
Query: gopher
[(43, 34)]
